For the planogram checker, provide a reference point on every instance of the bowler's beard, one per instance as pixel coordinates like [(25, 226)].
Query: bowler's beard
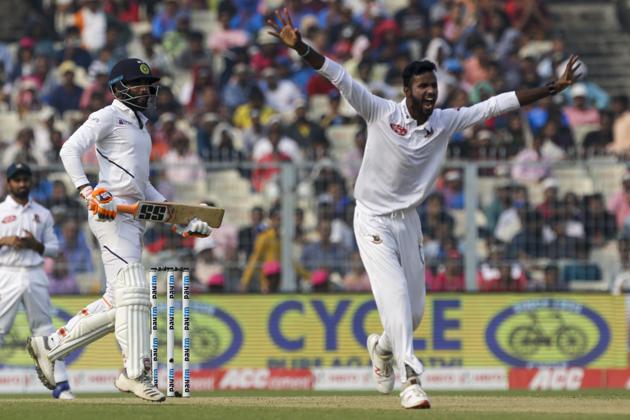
[(416, 106), (21, 193)]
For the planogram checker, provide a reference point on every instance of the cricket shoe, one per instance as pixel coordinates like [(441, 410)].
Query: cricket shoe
[(142, 386), (382, 367), (413, 396), (37, 347), (62, 391)]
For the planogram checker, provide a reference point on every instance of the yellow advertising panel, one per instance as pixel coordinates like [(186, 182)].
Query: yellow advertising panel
[(302, 331)]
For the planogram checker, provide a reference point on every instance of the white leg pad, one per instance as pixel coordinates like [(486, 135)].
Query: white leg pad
[(85, 331), (132, 318)]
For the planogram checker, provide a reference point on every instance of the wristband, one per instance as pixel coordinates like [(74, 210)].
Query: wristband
[(308, 50), (551, 87)]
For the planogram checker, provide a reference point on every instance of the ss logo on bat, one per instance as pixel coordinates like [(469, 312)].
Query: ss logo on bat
[(152, 212)]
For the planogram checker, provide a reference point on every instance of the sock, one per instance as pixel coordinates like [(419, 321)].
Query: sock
[(380, 351), (412, 376), (61, 375)]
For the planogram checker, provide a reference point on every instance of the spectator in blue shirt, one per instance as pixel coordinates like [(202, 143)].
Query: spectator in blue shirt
[(73, 245), (323, 254), (66, 96)]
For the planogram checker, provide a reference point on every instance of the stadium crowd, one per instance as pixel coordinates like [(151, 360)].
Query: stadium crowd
[(230, 94)]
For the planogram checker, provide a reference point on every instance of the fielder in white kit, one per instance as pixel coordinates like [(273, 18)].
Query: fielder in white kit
[(405, 150), (123, 147), (26, 237)]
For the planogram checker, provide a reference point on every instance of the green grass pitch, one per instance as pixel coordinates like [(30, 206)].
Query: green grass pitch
[(280, 405)]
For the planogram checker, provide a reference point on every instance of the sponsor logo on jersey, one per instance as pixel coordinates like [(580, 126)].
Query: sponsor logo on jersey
[(398, 129), (123, 122), (36, 219), (429, 132), (376, 239), (9, 219)]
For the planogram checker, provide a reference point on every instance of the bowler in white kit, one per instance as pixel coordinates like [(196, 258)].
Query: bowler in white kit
[(123, 147), (26, 237), (405, 150)]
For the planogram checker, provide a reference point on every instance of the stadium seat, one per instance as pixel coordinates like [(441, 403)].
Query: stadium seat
[(573, 179), (580, 275), (606, 174), (10, 123), (341, 139), (318, 106)]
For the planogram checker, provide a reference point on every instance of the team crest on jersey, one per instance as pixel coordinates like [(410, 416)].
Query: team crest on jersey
[(9, 219), (36, 218), (398, 129), (429, 132), (376, 239)]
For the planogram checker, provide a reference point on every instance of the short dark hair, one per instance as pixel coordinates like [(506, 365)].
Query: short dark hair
[(416, 68)]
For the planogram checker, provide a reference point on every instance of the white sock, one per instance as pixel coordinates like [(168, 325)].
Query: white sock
[(380, 351), (60, 371)]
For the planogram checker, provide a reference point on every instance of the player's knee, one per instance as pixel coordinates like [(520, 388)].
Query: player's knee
[(131, 286)]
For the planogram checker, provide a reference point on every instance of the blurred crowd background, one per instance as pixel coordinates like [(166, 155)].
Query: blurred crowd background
[(538, 199)]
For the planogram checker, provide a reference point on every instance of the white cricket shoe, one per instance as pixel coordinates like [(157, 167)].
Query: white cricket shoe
[(37, 347), (63, 392), (142, 386), (66, 395), (382, 367), (413, 396)]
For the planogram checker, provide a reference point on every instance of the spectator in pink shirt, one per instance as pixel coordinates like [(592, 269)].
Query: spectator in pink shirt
[(619, 203), (184, 165), (581, 113), (226, 37), (530, 164)]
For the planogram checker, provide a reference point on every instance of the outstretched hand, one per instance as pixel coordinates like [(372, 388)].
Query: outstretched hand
[(569, 76), (288, 34)]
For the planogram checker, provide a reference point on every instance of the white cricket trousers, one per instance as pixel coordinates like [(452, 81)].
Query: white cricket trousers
[(390, 248), (120, 244), (29, 286)]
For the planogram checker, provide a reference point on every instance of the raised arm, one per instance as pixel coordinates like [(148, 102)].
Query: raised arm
[(529, 96), (499, 104), (368, 105)]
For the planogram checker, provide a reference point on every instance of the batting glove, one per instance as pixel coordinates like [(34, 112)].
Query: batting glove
[(196, 227), (86, 194), (103, 205)]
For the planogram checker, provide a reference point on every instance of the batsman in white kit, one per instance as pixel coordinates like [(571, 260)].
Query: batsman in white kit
[(26, 237), (123, 146), (405, 150)]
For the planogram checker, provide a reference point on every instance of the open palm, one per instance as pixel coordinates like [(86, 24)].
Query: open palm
[(287, 33), (569, 76)]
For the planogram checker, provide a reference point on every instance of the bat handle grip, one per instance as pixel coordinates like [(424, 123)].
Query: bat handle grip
[(127, 208)]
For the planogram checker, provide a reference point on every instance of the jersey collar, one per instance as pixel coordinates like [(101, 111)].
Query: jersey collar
[(410, 121), (14, 204), (124, 108)]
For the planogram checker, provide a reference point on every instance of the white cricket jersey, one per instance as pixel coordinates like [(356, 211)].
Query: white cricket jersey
[(402, 159), (122, 150), (33, 217)]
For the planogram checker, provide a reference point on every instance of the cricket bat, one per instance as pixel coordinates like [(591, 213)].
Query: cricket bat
[(176, 213)]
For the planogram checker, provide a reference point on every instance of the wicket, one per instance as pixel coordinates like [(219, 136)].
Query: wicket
[(170, 330)]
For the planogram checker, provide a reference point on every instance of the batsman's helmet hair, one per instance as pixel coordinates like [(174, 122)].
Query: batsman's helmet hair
[(416, 68)]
